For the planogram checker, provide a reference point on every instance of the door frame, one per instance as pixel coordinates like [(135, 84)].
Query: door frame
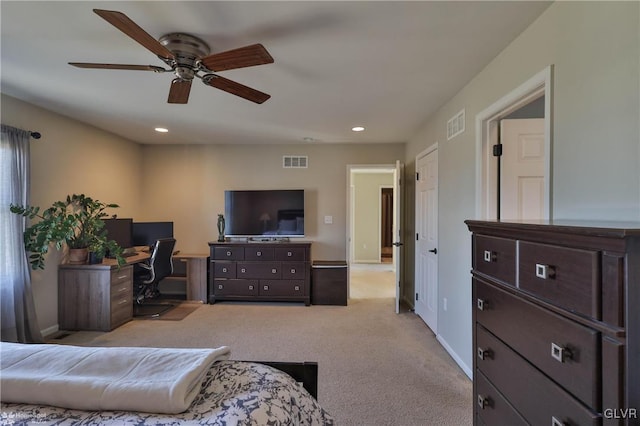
[(487, 128)]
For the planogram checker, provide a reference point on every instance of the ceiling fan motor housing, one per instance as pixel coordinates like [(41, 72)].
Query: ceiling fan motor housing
[(188, 50)]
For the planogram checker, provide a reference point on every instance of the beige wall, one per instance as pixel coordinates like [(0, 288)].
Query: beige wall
[(594, 49), (194, 178), (366, 189), (72, 158)]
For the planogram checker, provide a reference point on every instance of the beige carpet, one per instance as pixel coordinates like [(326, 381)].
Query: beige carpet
[(375, 367)]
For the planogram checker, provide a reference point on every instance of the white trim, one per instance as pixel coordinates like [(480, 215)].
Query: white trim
[(538, 85), (468, 371), (50, 330)]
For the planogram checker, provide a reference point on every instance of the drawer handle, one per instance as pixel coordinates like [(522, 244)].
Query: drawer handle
[(259, 253), (220, 286), (484, 401), (274, 271), (243, 270), (484, 353), (293, 270), (266, 287), (121, 289), (123, 301), (289, 254), (482, 305), (228, 253), (122, 276), (296, 287), (559, 353), (250, 287), (545, 271), (556, 422), (224, 269), (490, 256)]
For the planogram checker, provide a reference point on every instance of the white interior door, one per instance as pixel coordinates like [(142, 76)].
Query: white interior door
[(522, 180), (397, 231), (426, 273)]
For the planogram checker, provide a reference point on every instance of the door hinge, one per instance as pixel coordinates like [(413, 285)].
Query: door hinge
[(417, 296), (497, 150)]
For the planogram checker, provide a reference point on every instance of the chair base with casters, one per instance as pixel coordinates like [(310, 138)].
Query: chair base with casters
[(148, 275)]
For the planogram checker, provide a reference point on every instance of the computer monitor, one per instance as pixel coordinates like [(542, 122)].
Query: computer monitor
[(146, 233), (120, 230)]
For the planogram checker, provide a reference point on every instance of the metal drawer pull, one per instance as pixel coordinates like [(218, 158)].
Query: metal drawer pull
[(483, 401), (228, 253), (484, 353), (289, 254), (556, 422), (559, 353), (122, 276), (224, 269), (266, 287), (220, 286), (243, 270), (296, 288), (121, 289), (482, 304), (293, 270), (123, 301), (274, 271), (490, 256), (250, 287), (545, 271), (259, 253)]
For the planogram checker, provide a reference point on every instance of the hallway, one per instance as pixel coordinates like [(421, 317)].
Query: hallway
[(372, 281)]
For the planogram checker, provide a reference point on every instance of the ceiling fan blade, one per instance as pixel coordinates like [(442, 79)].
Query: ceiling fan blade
[(234, 88), (118, 66), (130, 28), (247, 56), (179, 92)]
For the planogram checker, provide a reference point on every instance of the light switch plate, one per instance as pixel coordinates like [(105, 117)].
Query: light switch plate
[(328, 220)]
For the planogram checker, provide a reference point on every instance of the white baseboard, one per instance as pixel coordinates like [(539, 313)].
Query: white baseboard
[(50, 330), (468, 371)]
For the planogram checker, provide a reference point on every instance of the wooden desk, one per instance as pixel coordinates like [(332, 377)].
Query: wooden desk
[(194, 274), (96, 297)]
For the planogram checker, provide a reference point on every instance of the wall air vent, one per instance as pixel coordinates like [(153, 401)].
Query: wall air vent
[(455, 125), (295, 162)]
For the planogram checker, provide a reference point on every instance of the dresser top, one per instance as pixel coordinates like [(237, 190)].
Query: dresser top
[(593, 228)]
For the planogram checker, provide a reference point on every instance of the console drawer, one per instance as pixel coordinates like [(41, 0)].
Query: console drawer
[(228, 253), (294, 270), (224, 269), (290, 253), (281, 288), (562, 349), (567, 277), (492, 407), (539, 400), (122, 275), (235, 287), (257, 270), (495, 257), (258, 253)]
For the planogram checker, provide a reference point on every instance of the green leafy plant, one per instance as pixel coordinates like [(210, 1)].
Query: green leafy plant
[(76, 221)]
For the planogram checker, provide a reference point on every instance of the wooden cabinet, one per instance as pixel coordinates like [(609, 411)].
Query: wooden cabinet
[(94, 297), (556, 325), (275, 271), (192, 271)]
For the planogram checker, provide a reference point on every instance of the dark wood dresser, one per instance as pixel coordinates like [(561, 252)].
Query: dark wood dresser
[(278, 271), (556, 323)]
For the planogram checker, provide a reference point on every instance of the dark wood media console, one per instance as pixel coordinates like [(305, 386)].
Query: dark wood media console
[(260, 271), (556, 323)]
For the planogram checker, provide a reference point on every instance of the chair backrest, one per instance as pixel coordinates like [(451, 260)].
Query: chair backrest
[(161, 261)]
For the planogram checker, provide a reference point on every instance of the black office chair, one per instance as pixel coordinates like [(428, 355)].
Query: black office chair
[(148, 275)]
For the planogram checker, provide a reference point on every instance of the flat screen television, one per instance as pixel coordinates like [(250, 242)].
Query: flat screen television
[(274, 213)]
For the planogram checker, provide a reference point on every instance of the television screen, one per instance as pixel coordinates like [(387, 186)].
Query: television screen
[(268, 213), (120, 230), (147, 233)]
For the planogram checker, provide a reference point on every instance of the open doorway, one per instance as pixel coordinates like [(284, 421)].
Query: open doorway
[(386, 224)]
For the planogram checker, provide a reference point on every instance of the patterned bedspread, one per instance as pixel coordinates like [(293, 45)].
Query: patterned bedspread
[(233, 393)]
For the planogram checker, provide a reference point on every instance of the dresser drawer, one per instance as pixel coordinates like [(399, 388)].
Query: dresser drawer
[(124, 274), (492, 407), (235, 287), (228, 253), (258, 270), (258, 253), (495, 257), (281, 288), (294, 270), (121, 311), (289, 253), (224, 269), (121, 290), (567, 277), (564, 350), (539, 400)]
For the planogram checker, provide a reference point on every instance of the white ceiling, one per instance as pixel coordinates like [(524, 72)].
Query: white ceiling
[(385, 65)]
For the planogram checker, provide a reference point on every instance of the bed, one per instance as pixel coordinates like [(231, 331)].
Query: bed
[(227, 392)]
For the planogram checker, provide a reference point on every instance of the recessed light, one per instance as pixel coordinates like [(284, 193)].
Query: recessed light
[(308, 139), (358, 129), (161, 130)]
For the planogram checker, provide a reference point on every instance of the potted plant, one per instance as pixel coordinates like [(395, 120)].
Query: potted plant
[(76, 221)]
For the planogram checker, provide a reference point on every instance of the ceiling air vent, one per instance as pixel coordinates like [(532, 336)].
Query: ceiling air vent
[(295, 161), (455, 125)]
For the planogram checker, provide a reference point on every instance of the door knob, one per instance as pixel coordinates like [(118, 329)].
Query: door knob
[(397, 244), (434, 251)]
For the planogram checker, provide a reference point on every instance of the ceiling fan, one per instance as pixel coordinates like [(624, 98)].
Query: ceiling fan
[(187, 57)]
